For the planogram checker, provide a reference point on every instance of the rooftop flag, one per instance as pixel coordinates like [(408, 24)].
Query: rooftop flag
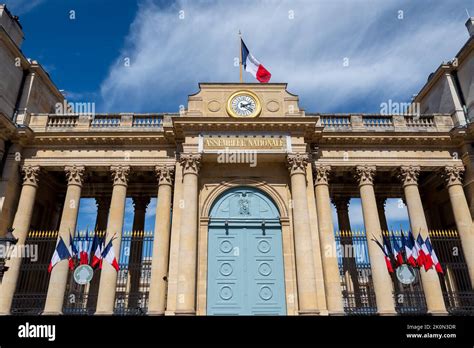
[(252, 65)]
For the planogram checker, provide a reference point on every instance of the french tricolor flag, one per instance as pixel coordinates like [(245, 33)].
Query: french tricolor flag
[(109, 255), (96, 251), (60, 253), (253, 66), (433, 255)]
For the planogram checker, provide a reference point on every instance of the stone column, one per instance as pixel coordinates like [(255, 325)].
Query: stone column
[(140, 204), (161, 242), (348, 261), (136, 247), (21, 225), (305, 275), (186, 300), (380, 276), (108, 275), (332, 280), (381, 211), (342, 208), (67, 227), (431, 285), (2, 148), (9, 187), (462, 215), (103, 205)]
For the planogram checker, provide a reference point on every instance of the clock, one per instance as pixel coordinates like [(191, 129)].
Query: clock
[(244, 104)]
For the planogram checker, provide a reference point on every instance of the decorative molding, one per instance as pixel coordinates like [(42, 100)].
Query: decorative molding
[(409, 175), (191, 163), (365, 174), (120, 174), (341, 203), (452, 175), (140, 202), (381, 201), (164, 174), (31, 175), (102, 202), (75, 174), (297, 162), (321, 174)]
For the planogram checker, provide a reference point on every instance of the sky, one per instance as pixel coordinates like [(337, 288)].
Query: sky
[(340, 56)]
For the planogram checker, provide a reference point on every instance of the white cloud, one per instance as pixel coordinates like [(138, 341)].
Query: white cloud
[(20, 7), (389, 58)]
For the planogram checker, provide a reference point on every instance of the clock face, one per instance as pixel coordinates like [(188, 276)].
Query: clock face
[(243, 104)]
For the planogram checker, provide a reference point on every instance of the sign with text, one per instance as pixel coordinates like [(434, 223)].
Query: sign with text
[(263, 143)]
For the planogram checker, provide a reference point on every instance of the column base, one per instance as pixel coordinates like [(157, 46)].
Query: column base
[(387, 313), (185, 312), (52, 313), (156, 313), (324, 312), (308, 312), (438, 313), (103, 313), (337, 314)]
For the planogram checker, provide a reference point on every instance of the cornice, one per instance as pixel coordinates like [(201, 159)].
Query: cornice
[(304, 126), (389, 138)]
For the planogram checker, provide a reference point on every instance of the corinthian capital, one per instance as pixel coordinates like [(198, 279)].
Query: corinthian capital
[(452, 175), (191, 162), (365, 175), (409, 175), (120, 174), (164, 174), (321, 174), (75, 175), (297, 162), (30, 175)]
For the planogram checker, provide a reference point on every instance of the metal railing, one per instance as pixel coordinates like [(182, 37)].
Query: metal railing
[(456, 283), (355, 273), (133, 279), (33, 280)]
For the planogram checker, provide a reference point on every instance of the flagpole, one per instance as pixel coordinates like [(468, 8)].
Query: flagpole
[(240, 57)]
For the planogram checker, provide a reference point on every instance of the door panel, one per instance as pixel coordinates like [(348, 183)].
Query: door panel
[(245, 271)]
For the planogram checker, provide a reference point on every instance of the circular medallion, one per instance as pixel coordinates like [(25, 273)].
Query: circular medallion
[(225, 293), (405, 274), (243, 104), (225, 246), (83, 274), (263, 246), (273, 106), (265, 293), (214, 106), (226, 269), (264, 269)]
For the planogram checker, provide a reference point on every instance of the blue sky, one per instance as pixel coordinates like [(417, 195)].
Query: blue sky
[(338, 56), (174, 45)]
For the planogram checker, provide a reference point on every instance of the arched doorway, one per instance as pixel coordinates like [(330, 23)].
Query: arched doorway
[(245, 257)]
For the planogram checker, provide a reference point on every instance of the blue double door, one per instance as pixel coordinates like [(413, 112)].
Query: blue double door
[(245, 269)]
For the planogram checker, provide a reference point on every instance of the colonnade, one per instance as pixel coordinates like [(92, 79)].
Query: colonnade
[(111, 214)]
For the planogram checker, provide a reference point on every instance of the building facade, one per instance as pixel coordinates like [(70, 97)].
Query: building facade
[(244, 181)]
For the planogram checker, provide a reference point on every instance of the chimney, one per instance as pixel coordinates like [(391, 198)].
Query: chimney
[(470, 26), (11, 25)]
